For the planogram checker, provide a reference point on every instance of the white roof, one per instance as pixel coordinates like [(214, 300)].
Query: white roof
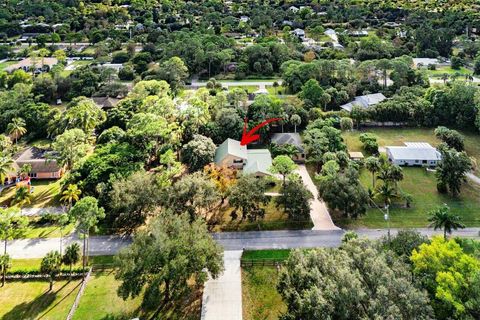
[(330, 32), (258, 161), (414, 151), (425, 61)]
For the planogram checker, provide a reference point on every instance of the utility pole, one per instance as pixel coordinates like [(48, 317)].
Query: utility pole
[(387, 218)]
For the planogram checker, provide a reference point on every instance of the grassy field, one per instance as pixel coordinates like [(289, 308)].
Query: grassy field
[(275, 219), (5, 64), (440, 71), (32, 300), (44, 194), (260, 298), (249, 89), (417, 182), (36, 230), (397, 137)]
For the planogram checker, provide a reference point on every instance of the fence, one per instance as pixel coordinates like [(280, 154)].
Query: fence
[(261, 263), (79, 295)]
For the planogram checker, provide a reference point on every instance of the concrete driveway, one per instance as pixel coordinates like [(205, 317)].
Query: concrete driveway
[(222, 297), (318, 210)]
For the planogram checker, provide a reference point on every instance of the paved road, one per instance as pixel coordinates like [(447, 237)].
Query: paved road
[(260, 84), (222, 297), (285, 239), (318, 210)]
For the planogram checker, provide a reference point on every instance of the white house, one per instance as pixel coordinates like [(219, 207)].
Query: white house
[(364, 101), (414, 154), (293, 9), (244, 19), (299, 33)]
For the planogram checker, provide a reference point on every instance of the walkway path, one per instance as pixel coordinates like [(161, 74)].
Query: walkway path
[(318, 210), (42, 211), (222, 297), (473, 177)]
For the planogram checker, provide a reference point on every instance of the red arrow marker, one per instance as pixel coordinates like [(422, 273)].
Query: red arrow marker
[(249, 137)]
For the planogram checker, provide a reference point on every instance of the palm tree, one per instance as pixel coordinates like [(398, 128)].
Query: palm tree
[(387, 192), (442, 218), (16, 128), (71, 256), (22, 196), (373, 165), (295, 120), (71, 195), (6, 166)]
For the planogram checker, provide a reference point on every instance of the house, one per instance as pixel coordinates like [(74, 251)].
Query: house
[(254, 161), (291, 138), (42, 166), (293, 9), (358, 33), (391, 24), (244, 19), (330, 32), (364, 101), (356, 156), (425, 62), (299, 33), (40, 64), (414, 154), (105, 102)]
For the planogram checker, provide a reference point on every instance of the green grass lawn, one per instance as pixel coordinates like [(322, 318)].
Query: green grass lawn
[(276, 254), (45, 194), (100, 299), (440, 71), (5, 64), (274, 91), (36, 230), (250, 89), (397, 137), (275, 219), (260, 299), (417, 182), (32, 300)]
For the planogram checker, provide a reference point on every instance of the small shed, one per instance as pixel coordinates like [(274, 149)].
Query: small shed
[(356, 155)]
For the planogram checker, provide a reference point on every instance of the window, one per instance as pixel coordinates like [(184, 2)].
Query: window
[(424, 161), (238, 161), (417, 161), (32, 174)]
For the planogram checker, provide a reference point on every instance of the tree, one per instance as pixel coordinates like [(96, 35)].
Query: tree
[(195, 194), (198, 152), (175, 72), (86, 214), (22, 196), (358, 114), (452, 170), (70, 195), (296, 200), (358, 281), (133, 198), (343, 191), (6, 167), (162, 260), (295, 120), (451, 137), (346, 124), (12, 226), (404, 242), (70, 147), (442, 218), (248, 197), (373, 165), (71, 255), (16, 128), (283, 165), (224, 178), (51, 265), (312, 94), (81, 113), (370, 143), (5, 264), (450, 276)]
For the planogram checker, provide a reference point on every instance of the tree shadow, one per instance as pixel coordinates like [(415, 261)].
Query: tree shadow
[(39, 307)]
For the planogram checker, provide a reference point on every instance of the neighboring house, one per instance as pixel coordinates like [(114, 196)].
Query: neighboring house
[(106, 102), (255, 161), (414, 154), (244, 19), (356, 156), (358, 33), (40, 64), (294, 9), (42, 166), (330, 32), (364, 101), (425, 62), (299, 33), (293, 139)]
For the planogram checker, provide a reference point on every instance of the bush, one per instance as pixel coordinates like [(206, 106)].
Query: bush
[(457, 63), (120, 57), (126, 74), (370, 143)]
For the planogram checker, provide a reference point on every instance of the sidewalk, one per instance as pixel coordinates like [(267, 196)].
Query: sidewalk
[(222, 298)]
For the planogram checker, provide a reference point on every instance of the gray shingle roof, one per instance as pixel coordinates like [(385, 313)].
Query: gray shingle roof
[(364, 101), (288, 138)]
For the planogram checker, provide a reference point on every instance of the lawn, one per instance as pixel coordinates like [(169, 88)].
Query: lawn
[(274, 254), (397, 137), (274, 91), (260, 298), (440, 71), (249, 89), (275, 219), (44, 194), (5, 64), (417, 182), (32, 300), (100, 301), (48, 230)]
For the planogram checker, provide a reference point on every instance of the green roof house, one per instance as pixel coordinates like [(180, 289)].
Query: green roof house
[(255, 161)]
